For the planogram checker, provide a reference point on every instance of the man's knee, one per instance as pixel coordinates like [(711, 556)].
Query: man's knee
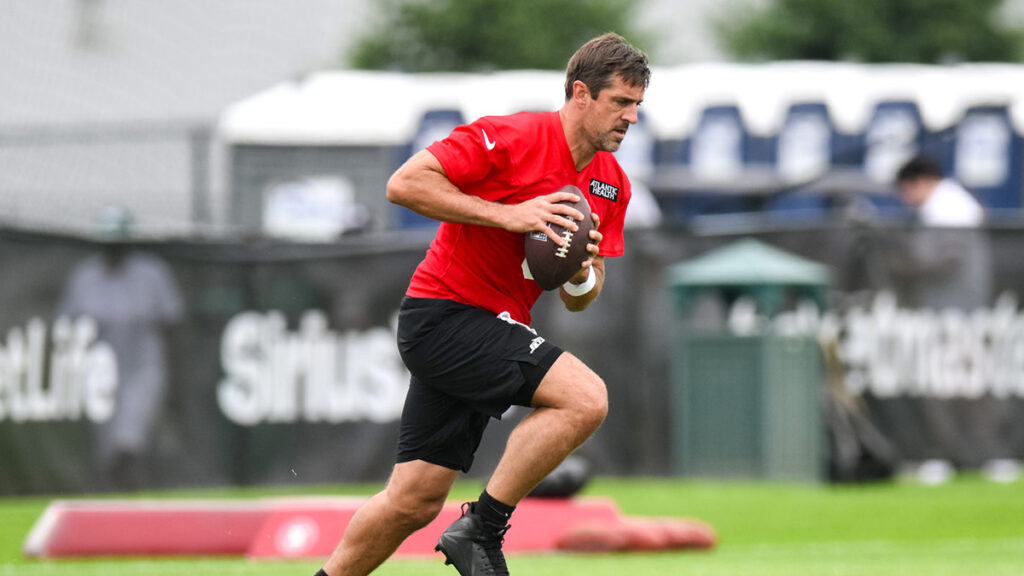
[(415, 504), (415, 513), (592, 406), (573, 387)]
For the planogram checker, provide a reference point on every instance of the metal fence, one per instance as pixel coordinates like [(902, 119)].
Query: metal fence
[(59, 178)]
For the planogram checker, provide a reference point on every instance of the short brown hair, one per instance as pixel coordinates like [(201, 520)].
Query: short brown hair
[(919, 167), (598, 61)]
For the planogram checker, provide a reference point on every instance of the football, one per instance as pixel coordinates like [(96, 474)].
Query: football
[(552, 265)]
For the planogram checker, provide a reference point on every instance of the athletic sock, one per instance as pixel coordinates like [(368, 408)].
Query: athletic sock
[(320, 572), (495, 514)]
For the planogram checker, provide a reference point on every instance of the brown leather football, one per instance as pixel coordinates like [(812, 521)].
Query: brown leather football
[(552, 265)]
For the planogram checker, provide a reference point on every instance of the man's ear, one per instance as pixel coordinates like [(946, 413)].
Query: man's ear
[(580, 92)]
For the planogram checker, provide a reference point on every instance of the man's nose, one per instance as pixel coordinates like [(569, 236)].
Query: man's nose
[(632, 114)]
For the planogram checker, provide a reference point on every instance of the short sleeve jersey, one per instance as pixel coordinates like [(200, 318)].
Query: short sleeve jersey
[(511, 159)]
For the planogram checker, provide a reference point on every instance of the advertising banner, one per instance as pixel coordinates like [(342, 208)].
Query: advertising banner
[(201, 364)]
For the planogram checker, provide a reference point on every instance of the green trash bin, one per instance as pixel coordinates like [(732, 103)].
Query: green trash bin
[(746, 405)]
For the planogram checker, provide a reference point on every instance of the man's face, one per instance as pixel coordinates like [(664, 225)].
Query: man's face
[(606, 118), (915, 191)]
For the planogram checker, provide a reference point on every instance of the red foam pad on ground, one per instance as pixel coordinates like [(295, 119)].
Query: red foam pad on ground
[(268, 528)]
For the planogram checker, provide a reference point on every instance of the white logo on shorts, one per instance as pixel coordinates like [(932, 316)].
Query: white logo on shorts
[(535, 343)]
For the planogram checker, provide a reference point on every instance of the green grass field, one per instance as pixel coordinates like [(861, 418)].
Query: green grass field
[(969, 527)]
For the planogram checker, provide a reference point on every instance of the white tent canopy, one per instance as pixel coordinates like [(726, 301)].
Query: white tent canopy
[(385, 108)]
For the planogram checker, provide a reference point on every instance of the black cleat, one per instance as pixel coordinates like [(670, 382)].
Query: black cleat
[(473, 550)]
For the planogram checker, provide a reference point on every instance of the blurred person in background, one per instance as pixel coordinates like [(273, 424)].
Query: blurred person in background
[(133, 298), (945, 265), (463, 328), (938, 200)]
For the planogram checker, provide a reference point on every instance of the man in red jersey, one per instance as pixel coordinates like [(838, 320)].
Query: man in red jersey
[(464, 323)]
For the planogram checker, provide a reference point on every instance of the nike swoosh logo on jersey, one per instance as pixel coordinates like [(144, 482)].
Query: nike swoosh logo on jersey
[(487, 142)]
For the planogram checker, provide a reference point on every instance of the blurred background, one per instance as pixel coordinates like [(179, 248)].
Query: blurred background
[(199, 271)]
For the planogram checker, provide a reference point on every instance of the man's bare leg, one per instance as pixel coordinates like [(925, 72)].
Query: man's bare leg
[(413, 497), (570, 404)]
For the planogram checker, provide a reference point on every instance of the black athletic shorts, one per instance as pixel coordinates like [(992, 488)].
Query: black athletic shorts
[(467, 366)]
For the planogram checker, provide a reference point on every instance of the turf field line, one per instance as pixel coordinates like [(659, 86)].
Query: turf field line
[(830, 551), (879, 546)]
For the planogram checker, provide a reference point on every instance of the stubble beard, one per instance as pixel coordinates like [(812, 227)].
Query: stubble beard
[(609, 142)]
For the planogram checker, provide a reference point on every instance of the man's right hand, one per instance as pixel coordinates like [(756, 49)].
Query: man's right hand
[(535, 214)]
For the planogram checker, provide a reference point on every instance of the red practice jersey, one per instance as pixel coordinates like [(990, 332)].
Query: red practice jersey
[(511, 159)]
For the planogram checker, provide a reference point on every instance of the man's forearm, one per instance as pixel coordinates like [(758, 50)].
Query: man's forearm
[(422, 186)]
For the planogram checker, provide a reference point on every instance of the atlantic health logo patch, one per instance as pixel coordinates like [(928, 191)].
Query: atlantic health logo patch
[(604, 190)]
